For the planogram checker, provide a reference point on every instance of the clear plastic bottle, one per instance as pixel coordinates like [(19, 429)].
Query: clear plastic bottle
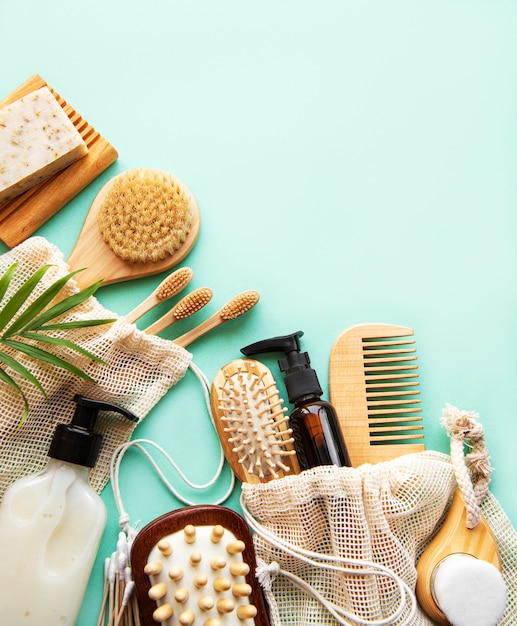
[(51, 524)]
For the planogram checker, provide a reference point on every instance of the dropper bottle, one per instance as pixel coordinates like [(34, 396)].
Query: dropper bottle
[(317, 435), (51, 524)]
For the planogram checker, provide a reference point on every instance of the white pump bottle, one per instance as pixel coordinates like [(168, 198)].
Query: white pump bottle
[(51, 524)]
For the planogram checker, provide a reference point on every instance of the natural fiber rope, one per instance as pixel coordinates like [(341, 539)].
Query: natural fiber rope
[(472, 471)]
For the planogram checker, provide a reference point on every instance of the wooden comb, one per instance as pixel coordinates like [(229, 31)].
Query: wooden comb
[(197, 565), (23, 215), (374, 387)]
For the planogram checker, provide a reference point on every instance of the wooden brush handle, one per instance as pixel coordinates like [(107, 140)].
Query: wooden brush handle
[(453, 538), (200, 330)]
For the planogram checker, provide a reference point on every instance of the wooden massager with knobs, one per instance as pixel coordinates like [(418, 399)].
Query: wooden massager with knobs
[(196, 565), (459, 580)]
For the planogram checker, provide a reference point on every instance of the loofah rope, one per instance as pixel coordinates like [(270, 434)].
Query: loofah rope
[(472, 471)]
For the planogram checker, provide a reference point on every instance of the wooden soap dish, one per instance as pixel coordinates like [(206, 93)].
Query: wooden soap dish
[(23, 215)]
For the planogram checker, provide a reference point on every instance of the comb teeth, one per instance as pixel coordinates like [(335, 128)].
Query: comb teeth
[(374, 386), (392, 389), (251, 422)]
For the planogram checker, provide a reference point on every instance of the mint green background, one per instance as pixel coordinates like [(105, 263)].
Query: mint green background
[(354, 161)]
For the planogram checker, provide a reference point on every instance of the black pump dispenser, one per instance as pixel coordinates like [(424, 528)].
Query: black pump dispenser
[(77, 442), (317, 435), (300, 379)]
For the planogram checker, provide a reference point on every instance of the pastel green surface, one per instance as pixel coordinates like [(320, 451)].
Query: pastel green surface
[(353, 161)]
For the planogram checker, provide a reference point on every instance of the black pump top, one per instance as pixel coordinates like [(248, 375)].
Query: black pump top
[(77, 442), (300, 380)]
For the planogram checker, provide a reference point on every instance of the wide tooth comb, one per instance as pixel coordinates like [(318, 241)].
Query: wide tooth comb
[(374, 387), (197, 565), (251, 422)]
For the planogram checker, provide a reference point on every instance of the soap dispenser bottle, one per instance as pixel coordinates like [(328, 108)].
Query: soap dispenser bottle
[(317, 435), (51, 524)]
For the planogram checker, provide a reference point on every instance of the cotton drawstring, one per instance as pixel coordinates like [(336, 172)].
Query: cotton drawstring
[(141, 445), (472, 471)]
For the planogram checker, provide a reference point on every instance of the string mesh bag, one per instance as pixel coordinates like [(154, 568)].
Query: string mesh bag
[(339, 545), (137, 370)]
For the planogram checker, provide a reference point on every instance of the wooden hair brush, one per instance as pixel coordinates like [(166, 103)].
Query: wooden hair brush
[(374, 387), (142, 222), (252, 423)]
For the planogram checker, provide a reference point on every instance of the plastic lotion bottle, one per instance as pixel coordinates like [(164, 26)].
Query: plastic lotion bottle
[(317, 435), (51, 524)]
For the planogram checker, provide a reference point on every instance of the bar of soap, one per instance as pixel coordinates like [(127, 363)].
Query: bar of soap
[(37, 140)]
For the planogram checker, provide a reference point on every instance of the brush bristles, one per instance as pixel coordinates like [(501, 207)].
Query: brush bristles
[(391, 384), (254, 421), (174, 283), (144, 216), (192, 303), (239, 305)]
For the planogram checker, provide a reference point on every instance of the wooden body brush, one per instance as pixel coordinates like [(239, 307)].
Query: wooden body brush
[(251, 422), (457, 555), (197, 565), (373, 385), (142, 222)]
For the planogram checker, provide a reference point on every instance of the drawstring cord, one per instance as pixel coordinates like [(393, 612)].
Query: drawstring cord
[(473, 471), (141, 444)]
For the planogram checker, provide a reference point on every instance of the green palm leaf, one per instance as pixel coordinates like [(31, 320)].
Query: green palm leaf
[(23, 325)]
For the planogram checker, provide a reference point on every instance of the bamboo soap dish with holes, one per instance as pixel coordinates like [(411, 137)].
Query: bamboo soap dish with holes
[(23, 215)]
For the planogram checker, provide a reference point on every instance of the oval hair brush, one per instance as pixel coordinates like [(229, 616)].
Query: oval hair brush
[(142, 222), (167, 289), (252, 423), (233, 309), (187, 306)]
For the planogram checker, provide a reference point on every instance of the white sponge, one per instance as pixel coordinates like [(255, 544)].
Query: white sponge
[(469, 591)]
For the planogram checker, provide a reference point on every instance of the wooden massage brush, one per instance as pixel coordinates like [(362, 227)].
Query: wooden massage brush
[(252, 423), (197, 565), (142, 222)]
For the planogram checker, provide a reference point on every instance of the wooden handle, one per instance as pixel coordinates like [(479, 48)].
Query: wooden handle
[(453, 538)]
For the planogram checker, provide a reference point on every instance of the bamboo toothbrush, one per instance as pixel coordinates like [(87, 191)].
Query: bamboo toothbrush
[(197, 565), (373, 384), (167, 289), (252, 423), (233, 309), (142, 222), (187, 306)]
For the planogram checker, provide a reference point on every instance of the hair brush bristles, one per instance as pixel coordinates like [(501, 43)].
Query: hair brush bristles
[(252, 423), (187, 306), (145, 216)]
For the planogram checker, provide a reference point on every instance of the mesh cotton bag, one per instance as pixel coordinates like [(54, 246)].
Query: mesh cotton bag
[(340, 545), (138, 370)]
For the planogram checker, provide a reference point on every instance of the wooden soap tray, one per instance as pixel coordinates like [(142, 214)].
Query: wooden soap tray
[(23, 215)]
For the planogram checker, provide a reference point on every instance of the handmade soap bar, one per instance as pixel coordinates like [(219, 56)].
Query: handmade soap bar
[(37, 139)]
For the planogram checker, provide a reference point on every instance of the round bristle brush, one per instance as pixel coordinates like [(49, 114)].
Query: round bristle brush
[(167, 289), (187, 306), (252, 423), (142, 222), (459, 579), (233, 309)]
